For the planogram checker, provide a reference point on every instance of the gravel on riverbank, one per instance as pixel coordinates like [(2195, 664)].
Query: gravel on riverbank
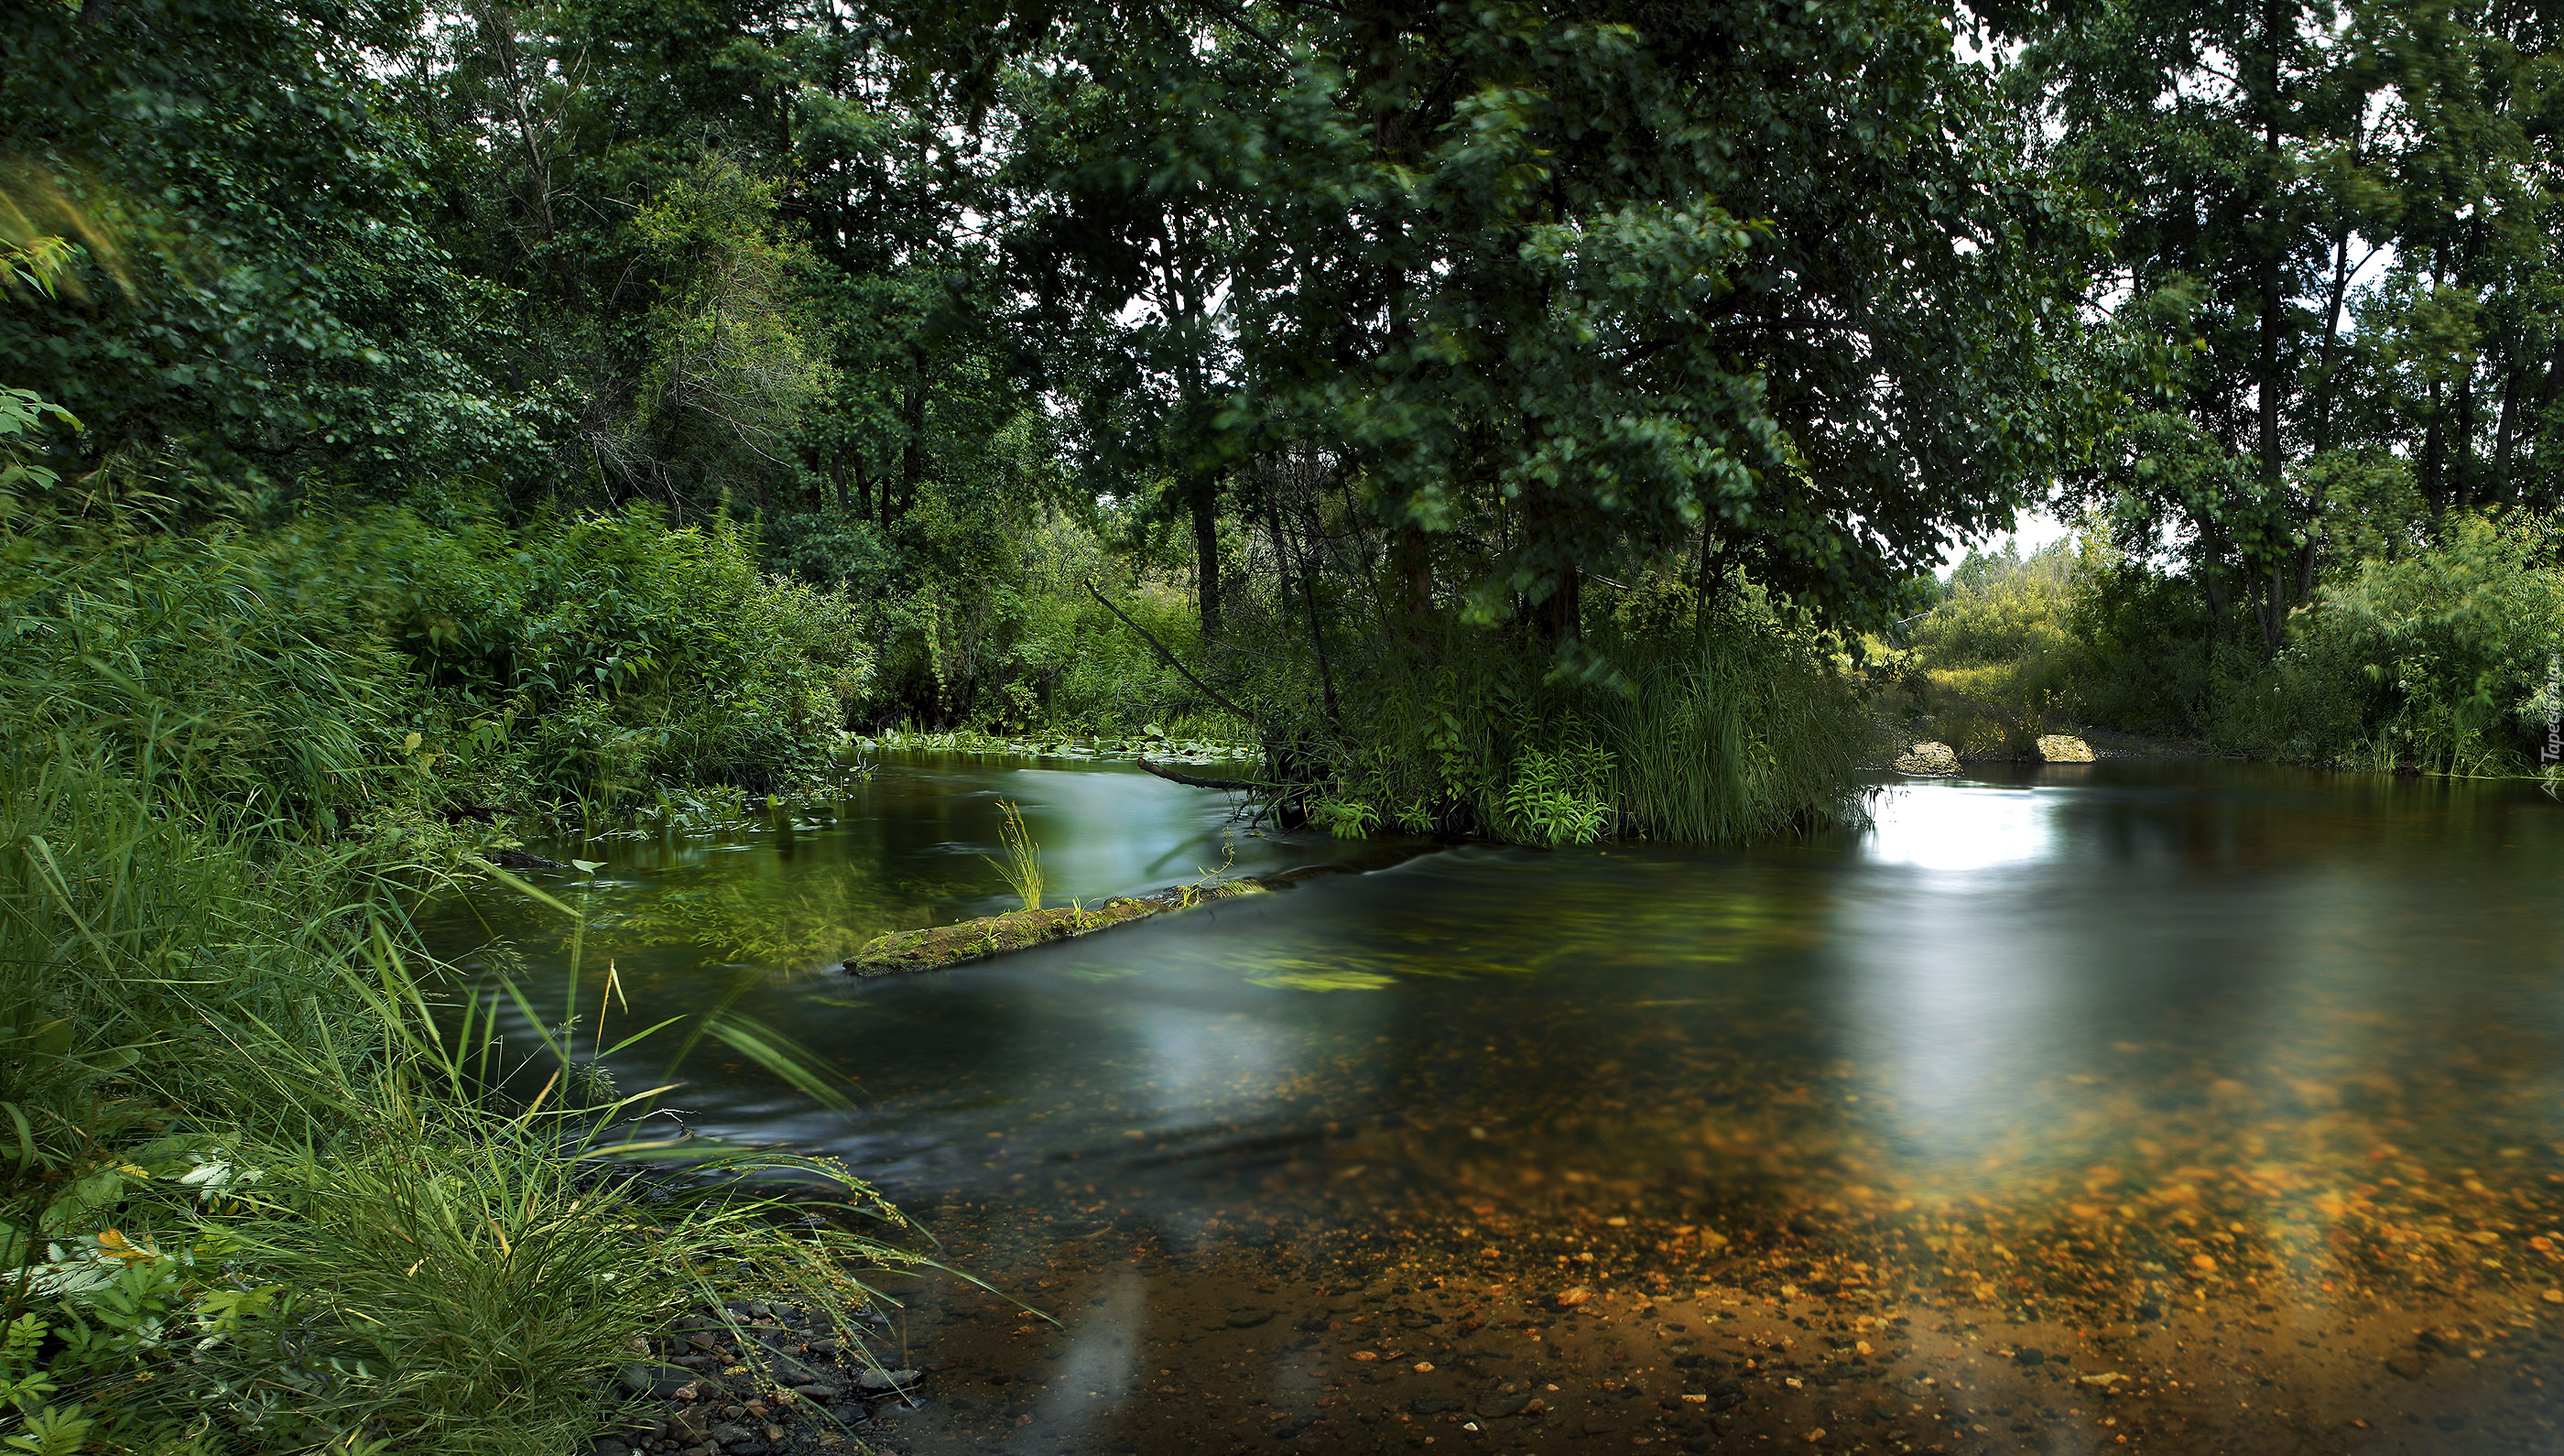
[(752, 1378)]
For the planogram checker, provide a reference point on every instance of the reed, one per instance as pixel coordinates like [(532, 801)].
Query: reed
[(1708, 729), (1022, 868)]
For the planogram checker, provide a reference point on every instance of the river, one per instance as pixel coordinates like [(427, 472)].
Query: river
[(2134, 1106)]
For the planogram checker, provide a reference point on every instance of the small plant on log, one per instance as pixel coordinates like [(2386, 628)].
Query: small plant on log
[(1022, 868)]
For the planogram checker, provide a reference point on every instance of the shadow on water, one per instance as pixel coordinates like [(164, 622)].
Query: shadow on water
[(2180, 1107)]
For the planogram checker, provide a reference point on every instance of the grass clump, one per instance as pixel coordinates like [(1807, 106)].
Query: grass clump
[(263, 1193), (1021, 869)]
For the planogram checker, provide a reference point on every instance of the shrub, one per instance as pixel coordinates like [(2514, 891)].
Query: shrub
[(586, 658), (2444, 658)]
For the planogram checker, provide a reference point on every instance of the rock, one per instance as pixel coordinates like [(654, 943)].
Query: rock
[(1929, 758), (815, 1392), (2063, 748), (2030, 1357), (688, 1427), (658, 1382), (612, 1447), (726, 1433), (879, 1383), (1247, 1319), (517, 859), (1496, 1407)]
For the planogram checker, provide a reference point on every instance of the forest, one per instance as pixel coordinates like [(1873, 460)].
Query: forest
[(1531, 421)]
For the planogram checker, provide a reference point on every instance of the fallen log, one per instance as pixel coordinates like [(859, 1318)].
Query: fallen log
[(904, 952), (1188, 780)]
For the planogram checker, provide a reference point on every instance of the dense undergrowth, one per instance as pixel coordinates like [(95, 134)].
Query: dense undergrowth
[(2436, 654), (1699, 723), (260, 1189)]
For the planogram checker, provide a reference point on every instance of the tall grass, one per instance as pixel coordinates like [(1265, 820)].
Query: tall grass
[(1702, 727), (258, 1185)]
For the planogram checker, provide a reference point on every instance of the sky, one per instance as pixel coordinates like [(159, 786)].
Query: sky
[(2031, 530)]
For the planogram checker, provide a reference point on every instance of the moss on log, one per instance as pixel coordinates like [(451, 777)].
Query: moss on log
[(903, 952), (936, 946)]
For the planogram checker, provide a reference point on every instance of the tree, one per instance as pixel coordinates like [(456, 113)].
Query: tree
[(257, 293), (1580, 289)]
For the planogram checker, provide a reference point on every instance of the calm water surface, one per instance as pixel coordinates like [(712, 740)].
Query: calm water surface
[(2153, 1106)]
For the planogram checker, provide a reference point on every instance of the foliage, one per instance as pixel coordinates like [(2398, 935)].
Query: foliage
[(1565, 291), (1703, 729), (340, 660), (592, 656), (246, 278), (2444, 659), (259, 1191)]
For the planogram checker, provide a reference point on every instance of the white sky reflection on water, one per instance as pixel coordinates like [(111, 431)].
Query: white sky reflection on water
[(1949, 827), (1197, 1059)]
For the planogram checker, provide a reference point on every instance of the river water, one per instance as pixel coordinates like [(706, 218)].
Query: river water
[(2133, 1106)]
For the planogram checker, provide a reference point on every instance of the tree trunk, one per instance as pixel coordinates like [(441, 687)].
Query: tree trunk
[(2275, 301), (2434, 434), (2540, 438), (2505, 433), (1202, 491), (1410, 563)]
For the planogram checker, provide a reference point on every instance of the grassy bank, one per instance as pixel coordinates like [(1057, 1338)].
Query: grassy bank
[(259, 1191)]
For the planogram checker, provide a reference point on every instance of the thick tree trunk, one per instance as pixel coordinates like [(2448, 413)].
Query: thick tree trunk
[(1562, 615), (2541, 438), (2505, 431), (2463, 476)]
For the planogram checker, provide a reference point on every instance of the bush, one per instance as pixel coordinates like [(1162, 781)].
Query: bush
[(337, 667), (589, 658), (2444, 658)]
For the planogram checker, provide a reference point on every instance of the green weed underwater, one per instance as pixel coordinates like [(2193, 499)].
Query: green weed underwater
[(256, 1191)]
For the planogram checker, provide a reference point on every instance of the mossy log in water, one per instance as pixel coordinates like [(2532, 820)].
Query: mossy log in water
[(902, 952), (936, 946)]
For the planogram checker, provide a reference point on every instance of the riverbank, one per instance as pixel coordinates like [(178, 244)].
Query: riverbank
[(759, 1377)]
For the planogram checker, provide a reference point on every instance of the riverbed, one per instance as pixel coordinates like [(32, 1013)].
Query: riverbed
[(2129, 1105)]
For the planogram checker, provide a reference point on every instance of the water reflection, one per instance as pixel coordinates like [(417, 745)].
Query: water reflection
[(2143, 1063)]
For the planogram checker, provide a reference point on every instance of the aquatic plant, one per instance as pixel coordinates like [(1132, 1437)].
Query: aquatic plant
[(1022, 868)]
